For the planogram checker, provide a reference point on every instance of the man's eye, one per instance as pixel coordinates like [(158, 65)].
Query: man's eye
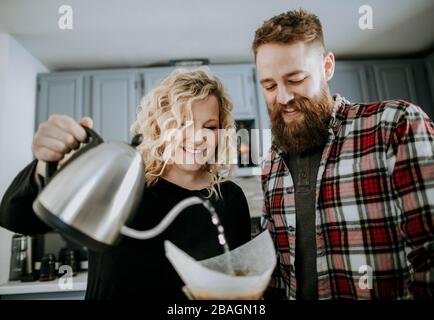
[(211, 128), (296, 81), (270, 88)]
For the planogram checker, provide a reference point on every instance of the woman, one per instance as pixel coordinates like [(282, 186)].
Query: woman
[(183, 156)]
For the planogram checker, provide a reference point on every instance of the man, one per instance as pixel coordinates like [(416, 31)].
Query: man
[(348, 188)]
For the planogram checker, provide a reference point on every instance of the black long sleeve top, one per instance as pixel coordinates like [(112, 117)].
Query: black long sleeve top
[(139, 269)]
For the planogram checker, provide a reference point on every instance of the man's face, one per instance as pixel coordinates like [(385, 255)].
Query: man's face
[(294, 83)]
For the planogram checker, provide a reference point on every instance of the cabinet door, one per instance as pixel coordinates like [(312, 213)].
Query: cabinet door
[(237, 79), (350, 81), (429, 63), (395, 80), (114, 104), (60, 94), (152, 76), (240, 85)]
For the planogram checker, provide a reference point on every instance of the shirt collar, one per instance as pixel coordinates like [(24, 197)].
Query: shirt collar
[(338, 113)]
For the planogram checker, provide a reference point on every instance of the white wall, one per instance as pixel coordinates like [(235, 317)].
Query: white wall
[(18, 70)]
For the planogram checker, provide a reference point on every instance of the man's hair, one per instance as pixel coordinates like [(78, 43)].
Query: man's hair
[(289, 27)]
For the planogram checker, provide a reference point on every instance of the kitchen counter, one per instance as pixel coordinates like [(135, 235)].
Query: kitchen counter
[(45, 289)]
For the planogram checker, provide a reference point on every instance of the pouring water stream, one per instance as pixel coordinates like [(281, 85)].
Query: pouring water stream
[(172, 214)]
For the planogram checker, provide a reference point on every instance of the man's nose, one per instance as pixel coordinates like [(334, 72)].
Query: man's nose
[(284, 96)]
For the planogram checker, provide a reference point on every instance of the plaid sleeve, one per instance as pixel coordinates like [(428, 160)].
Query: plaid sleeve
[(276, 287), (413, 185)]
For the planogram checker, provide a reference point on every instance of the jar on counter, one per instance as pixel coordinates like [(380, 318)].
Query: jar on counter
[(48, 268)]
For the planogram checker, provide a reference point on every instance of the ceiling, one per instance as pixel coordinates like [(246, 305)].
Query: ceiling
[(131, 33)]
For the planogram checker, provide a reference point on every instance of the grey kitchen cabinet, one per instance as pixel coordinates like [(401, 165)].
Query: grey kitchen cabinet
[(379, 80), (350, 80), (238, 80), (423, 92), (114, 104), (429, 65), (61, 94), (110, 98), (152, 76), (404, 79), (395, 80)]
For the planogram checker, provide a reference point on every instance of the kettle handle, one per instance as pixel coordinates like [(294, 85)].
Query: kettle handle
[(95, 139)]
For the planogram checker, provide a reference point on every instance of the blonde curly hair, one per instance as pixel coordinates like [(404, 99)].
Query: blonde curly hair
[(168, 106)]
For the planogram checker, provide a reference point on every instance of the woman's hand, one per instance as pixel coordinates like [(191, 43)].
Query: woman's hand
[(57, 138)]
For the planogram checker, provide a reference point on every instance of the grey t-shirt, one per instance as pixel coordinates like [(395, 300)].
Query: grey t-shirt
[(304, 170)]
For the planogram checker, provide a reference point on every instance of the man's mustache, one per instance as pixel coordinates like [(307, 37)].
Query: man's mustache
[(290, 105), (278, 108)]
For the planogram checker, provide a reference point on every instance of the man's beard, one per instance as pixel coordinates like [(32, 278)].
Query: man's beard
[(301, 136)]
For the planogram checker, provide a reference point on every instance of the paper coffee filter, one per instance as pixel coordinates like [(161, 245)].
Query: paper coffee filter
[(256, 260)]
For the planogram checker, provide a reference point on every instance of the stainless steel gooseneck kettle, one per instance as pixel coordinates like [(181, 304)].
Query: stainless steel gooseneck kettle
[(91, 198)]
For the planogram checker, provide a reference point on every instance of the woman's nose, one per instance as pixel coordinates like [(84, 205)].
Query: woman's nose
[(199, 137)]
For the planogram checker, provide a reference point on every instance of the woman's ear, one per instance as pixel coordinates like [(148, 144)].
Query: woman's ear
[(329, 65)]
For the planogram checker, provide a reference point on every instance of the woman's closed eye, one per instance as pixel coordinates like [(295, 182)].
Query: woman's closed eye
[(211, 128)]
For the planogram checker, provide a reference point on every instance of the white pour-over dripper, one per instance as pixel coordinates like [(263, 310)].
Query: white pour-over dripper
[(252, 262)]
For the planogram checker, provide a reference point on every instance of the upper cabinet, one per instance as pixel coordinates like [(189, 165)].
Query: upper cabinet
[(114, 104), (111, 97), (395, 80), (378, 80), (350, 80), (60, 94), (152, 76), (240, 85), (404, 79), (429, 64), (238, 80)]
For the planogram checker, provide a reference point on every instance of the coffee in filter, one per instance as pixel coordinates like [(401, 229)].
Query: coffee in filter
[(253, 264)]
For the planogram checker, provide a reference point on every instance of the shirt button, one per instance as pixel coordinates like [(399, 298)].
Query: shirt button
[(290, 190)]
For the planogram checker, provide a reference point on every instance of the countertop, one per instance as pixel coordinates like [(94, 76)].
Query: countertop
[(79, 283)]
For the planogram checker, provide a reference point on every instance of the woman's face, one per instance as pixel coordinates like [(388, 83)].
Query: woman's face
[(199, 140)]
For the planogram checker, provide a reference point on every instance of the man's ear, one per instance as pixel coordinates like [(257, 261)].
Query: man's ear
[(329, 65)]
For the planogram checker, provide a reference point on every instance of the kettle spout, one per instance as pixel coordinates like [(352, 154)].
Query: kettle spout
[(168, 219)]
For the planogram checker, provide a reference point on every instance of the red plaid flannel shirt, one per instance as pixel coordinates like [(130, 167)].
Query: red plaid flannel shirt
[(374, 205)]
